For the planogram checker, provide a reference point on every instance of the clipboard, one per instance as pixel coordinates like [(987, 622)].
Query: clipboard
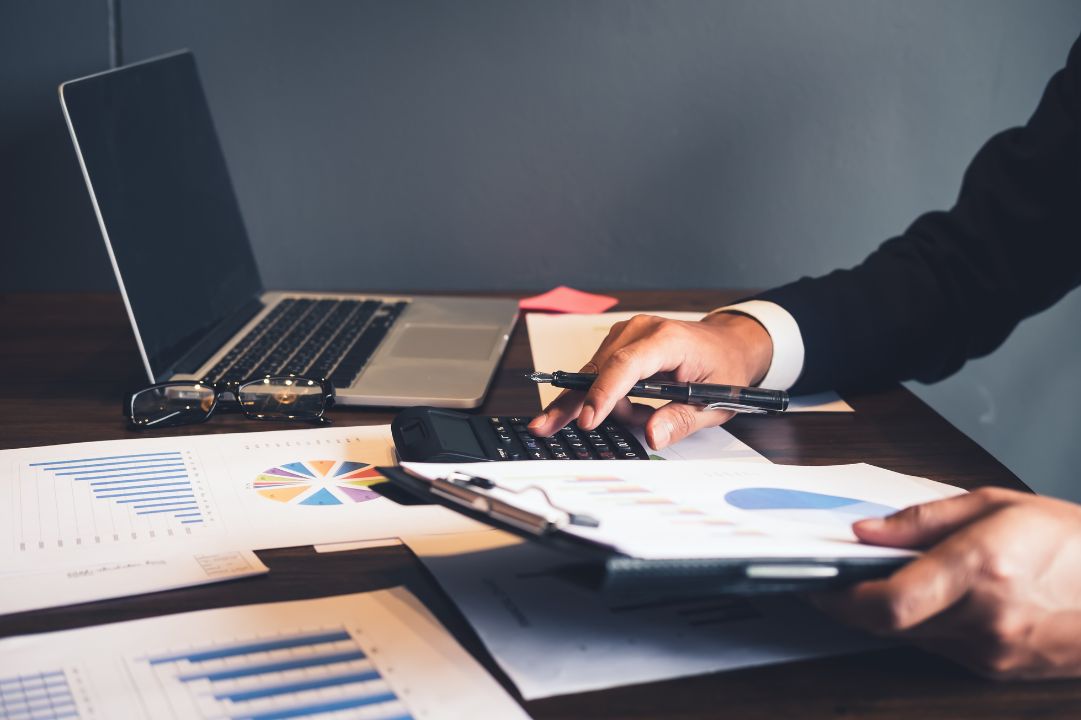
[(602, 568)]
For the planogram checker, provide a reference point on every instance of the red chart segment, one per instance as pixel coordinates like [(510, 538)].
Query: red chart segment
[(318, 482)]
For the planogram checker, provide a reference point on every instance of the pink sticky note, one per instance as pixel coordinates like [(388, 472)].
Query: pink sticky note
[(568, 300)]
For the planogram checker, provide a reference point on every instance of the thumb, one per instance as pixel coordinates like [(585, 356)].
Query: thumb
[(926, 524), (675, 421)]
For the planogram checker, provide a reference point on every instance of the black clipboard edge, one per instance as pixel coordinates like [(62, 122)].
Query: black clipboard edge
[(602, 568)]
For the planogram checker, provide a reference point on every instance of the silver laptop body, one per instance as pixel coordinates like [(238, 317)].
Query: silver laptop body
[(164, 202)]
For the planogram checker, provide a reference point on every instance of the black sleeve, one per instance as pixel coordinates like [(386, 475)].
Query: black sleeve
[(956, 283)]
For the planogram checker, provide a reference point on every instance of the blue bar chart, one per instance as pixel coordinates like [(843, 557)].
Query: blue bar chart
[(37, 696), (99, 499), (366, 656), (295, 675)]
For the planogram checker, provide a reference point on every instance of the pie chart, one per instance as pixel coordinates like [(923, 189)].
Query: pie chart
[(804, 506), (318, 482)]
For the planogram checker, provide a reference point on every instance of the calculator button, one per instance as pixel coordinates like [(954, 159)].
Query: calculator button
[(537, 454), (583, 454), (630, 454), (505, 438), (503, 454), (518, 421), (606, 455), (519, 428), (560, 455)]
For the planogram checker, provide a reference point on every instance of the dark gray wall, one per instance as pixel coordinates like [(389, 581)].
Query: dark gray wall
[(48, 233), (606, 144)]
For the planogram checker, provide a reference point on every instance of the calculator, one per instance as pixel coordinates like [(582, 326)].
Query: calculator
[(427, 434)]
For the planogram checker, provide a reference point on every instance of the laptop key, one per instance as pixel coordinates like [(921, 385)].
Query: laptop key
[(362, 350), (354, 323)]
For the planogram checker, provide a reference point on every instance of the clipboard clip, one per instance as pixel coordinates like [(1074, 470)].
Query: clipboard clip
[(470, 490)]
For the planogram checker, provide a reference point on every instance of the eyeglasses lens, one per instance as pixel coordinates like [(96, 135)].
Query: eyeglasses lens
[(282, 397), (175, 404)]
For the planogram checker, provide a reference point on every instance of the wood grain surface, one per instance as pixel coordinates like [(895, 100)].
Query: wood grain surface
[(66, 361)]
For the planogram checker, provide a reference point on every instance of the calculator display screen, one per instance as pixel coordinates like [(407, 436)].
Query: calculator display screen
[(456, 433)]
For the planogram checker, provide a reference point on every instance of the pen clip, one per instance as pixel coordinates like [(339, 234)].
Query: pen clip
[(736, 407)]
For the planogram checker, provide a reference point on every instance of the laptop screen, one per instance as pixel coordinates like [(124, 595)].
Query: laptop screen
[(157, 171)]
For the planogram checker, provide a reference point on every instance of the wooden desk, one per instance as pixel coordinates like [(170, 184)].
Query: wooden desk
[(67, 360)]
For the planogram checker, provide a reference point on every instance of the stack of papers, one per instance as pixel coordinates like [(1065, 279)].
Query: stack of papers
[(708, 508), (93, 520), (553, 637)]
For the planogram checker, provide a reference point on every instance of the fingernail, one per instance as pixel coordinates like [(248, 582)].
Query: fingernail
[(661, 433), (585, 418), (538, 421)]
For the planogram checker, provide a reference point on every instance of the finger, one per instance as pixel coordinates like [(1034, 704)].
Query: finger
[(624, 367), (568, 404), (562, 410), (632, 413), (559, 412), (918, 591), (924, 525), (675, 421)]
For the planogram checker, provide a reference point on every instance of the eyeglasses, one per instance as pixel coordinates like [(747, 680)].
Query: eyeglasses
[(272, 397)]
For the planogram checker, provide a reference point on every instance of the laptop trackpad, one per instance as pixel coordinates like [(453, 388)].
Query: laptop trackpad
[(437, 342)]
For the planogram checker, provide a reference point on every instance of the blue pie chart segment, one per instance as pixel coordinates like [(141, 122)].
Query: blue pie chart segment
[(803, 506)]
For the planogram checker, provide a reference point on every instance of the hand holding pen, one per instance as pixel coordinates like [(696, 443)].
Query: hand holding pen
[(722, 349), (738, 399)]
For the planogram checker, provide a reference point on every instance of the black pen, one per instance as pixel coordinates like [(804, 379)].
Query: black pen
[(713, 397)]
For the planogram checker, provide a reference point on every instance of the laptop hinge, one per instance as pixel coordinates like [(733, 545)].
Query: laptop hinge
[(217, 336)]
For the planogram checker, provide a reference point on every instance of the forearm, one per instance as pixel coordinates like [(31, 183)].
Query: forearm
[(956, 283)]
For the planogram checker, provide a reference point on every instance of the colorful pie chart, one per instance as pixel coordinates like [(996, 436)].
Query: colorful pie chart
[(318, 482)]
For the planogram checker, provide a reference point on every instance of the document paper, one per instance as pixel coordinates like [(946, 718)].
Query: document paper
[(709, 509), (103, 502), (376, 655), (552, 637), (53, 586), (567, 342)]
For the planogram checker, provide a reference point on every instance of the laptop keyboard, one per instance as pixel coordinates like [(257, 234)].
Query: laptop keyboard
[(318, 338)]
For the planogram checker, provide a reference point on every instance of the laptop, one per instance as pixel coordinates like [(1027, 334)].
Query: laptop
[(164, 201)]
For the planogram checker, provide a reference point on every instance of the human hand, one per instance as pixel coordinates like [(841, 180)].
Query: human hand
[(725, 348), (999, 590)]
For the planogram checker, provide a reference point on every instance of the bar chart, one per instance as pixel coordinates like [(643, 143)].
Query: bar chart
[(290, 675), (100, 499), (38, 696), (371, 656)]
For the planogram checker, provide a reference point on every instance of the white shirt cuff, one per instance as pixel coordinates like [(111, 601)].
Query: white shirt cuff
[(787, 363)]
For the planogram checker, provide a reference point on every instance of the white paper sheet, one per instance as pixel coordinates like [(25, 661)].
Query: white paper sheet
[(85, 583), (709, 508), (104, 502), (712, 443), (566, 342), (376, 655), (553, 638)]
